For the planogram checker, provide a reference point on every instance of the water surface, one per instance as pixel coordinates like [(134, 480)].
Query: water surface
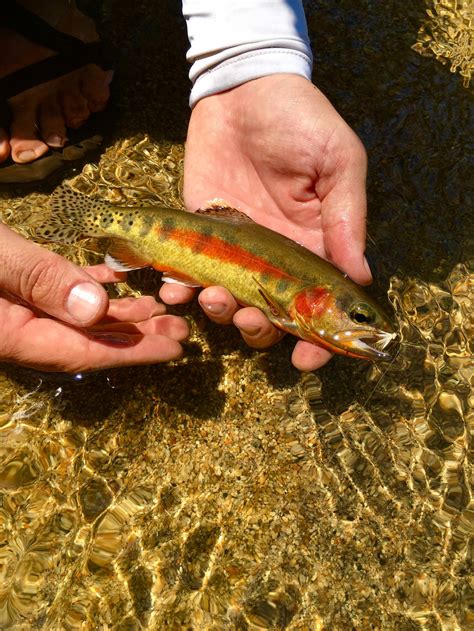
[(227, 491)]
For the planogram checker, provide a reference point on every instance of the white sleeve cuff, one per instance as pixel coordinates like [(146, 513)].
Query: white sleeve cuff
[(248, 66), (234, 41)]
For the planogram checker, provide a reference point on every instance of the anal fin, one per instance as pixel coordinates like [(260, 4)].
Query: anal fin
[(169, 277)]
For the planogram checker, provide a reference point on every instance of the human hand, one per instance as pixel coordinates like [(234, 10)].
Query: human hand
[(57, 317), (277, 149)]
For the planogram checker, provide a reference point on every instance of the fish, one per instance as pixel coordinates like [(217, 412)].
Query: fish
[(297, 290)]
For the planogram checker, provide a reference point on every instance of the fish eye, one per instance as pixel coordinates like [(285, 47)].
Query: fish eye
[(362, 314)]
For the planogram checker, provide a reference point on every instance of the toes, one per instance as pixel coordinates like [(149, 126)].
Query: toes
[(4, 145), (24, 142), (95, 88), (51, 123), (74, 107)]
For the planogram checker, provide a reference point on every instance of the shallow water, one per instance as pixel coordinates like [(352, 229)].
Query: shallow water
[(227, 491)]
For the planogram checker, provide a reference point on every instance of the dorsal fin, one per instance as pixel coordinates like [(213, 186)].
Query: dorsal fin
[(220, 209)]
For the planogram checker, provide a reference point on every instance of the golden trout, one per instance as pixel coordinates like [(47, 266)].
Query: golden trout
[(297, 290)]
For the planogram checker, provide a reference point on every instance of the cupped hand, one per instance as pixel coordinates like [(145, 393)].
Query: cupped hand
[(57, 317), (277, 149)]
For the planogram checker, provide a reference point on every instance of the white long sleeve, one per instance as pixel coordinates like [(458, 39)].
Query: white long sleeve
[(234, 41)]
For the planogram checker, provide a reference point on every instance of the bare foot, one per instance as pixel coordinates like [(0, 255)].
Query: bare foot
[(41, 115)]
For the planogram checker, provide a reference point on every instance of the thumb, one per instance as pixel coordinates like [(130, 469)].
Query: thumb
[(49, 282)]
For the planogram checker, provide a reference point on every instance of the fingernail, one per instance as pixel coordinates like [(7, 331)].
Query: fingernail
[(216, 308), (367, 267), (26, 156), (250, 330), (84, 301), (55, 141)]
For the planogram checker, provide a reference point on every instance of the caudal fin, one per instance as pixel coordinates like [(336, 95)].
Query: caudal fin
[(73, 216)]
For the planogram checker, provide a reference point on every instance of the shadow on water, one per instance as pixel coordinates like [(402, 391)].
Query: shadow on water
[(419, 214), (90, 399), (154, 46), (224, 340)]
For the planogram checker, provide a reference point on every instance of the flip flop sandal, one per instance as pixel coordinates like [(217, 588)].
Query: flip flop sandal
[(51, 162), (72, 54)]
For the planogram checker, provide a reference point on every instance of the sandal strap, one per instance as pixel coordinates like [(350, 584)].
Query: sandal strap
[(48, 69), (72, 52)]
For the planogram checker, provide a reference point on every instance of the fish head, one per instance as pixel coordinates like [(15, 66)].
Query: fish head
[(345, 320)]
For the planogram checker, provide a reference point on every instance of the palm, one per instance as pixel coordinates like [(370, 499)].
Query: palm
[(250, 182), (279, 151), (276, 149)]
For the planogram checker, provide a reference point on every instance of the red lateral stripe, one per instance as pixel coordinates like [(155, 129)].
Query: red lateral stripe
[(220, 250)]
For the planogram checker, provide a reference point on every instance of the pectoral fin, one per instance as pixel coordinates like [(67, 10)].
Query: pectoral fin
[(278, 312)]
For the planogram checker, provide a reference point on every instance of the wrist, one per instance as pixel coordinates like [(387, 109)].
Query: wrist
[(249, 66)]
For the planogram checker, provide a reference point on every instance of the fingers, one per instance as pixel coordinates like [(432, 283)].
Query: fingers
[(103, 274), (49, 282), (308, 357), (133, 331), (172, 326), (218, 304), (344, 208), (134, 309), (175, 294), (47, 344), (255, 328)]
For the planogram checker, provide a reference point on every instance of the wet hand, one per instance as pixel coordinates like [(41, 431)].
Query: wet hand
[(278, 150), (57, 316)]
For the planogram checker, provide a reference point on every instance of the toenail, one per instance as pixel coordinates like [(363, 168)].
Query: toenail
[(55, 141), (26, 156)]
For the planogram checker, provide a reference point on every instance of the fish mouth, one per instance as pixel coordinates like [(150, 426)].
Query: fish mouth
[(366, 343)]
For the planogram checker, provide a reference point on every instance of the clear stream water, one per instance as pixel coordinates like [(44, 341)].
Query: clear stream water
[(227, 491)]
